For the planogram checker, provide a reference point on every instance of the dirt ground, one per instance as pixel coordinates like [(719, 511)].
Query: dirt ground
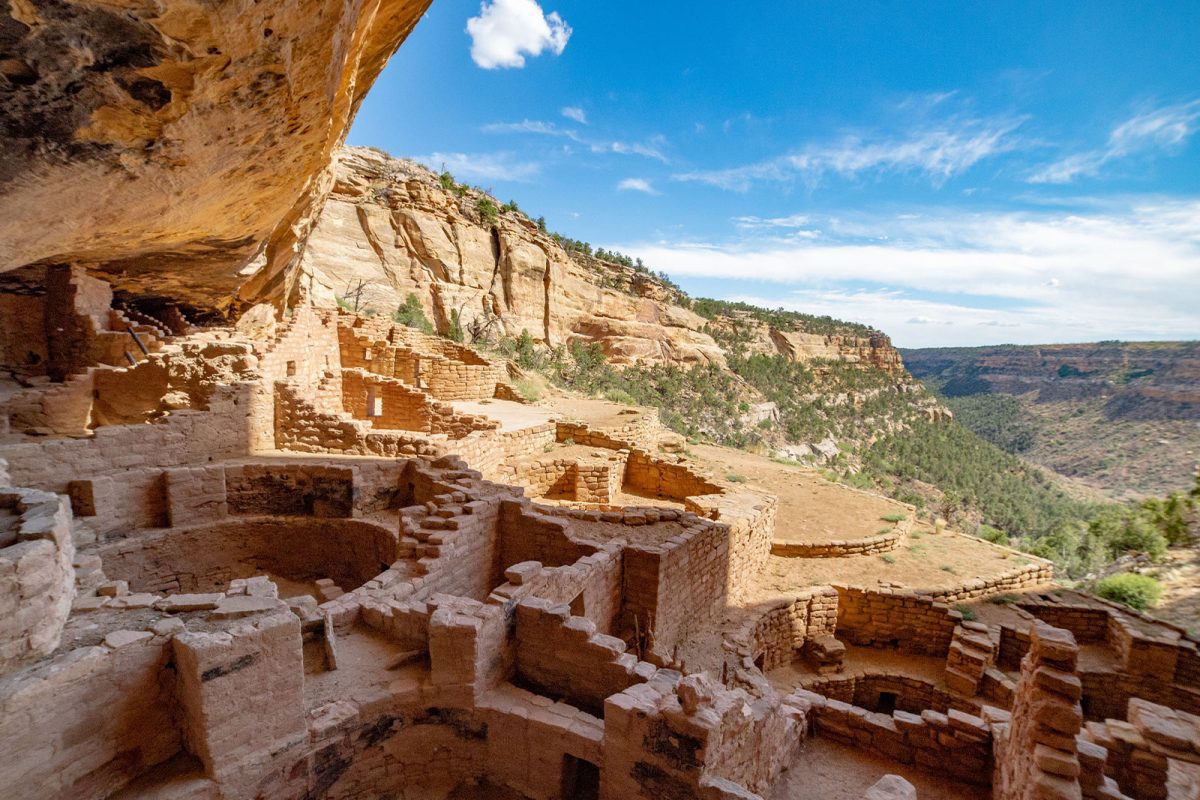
[(925, 561), (1180, 576), (596, 413), (834, 772), (811, 508)]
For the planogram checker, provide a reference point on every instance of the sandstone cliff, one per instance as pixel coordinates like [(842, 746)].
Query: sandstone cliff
[(391, 227), (145, 140)]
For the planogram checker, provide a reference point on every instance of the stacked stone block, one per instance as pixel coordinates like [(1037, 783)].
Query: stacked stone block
[(956, 743)]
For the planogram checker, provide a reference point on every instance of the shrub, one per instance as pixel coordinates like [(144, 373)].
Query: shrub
[(894, 517), (968, 614), (527, 389), (1135, 591), (948, 568), (412, 315), (487, 209), (447, 181), (735, 478), (620, 396), (888, 558), (456, 329), (993, 535)]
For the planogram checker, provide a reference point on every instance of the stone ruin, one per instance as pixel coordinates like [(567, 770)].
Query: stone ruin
[(322, 556), (296, 558)]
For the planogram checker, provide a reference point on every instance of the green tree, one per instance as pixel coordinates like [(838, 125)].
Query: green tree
[(411, 314), (456, 329)]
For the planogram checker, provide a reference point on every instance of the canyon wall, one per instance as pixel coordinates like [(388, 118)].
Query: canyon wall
[(145, 140), (392, 228)]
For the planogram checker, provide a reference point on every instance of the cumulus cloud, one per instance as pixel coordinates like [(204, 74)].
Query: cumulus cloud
[(1040, 276), (507, 30), (938, 152), (637, 185), (576, 113), (483, 166), (1166, 129)]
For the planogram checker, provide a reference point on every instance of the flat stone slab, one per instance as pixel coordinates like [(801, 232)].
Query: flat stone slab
[(140, 600), (190, 602), (119, 639), (241, 605)]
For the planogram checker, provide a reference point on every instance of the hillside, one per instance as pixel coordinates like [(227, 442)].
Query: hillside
[(805, 387), (1121, 417), (396, 238)]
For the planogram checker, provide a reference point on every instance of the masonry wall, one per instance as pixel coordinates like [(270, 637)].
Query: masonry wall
[(774, 634), (37, 579), (258, 658), (526, 535), (955, 744), (886, 618), (563, 656), (22, 318), (124, 464), (207, 558), (678, 586), (121, 707)]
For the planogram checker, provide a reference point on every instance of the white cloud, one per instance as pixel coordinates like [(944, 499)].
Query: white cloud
[(793, 221), (483, 166), (938, 152), (637, 185), (507, 30), (650, 148), (576, 113), (958, 278), (1167, 128)]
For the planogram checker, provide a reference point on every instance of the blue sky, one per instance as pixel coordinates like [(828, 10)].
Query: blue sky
[(952, 173)]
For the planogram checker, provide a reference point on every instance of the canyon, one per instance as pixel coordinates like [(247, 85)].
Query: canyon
[(1121, 417), (257, 544)]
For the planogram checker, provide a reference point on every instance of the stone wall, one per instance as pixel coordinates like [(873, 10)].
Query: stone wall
[(37, 579), (1138, 753), (398, 407), (893, 618), (206, 558), (114, 711), (956, 744), (772, 635), (123, 465), (863, 687), (690, 737), (841, 548), (260, 658), (679, 586), (1036, 753), (528, 534), (564, 657)]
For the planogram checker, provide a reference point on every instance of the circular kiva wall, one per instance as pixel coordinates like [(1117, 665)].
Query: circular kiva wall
[(206, 558)]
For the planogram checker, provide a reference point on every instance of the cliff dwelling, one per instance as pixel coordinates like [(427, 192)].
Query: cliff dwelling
[(253, 545)]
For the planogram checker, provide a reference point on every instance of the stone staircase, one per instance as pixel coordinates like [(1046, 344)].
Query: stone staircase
[(973, 650)]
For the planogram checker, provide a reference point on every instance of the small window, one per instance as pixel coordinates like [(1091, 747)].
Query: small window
[(580, 779), (374, 403), (887, 703), (578, 609), (291, 368), (367, 354)]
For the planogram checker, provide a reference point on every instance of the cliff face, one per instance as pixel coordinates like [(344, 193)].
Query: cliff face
[(390, 227), (1120, 417), (167, 144), (1137, 380)]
